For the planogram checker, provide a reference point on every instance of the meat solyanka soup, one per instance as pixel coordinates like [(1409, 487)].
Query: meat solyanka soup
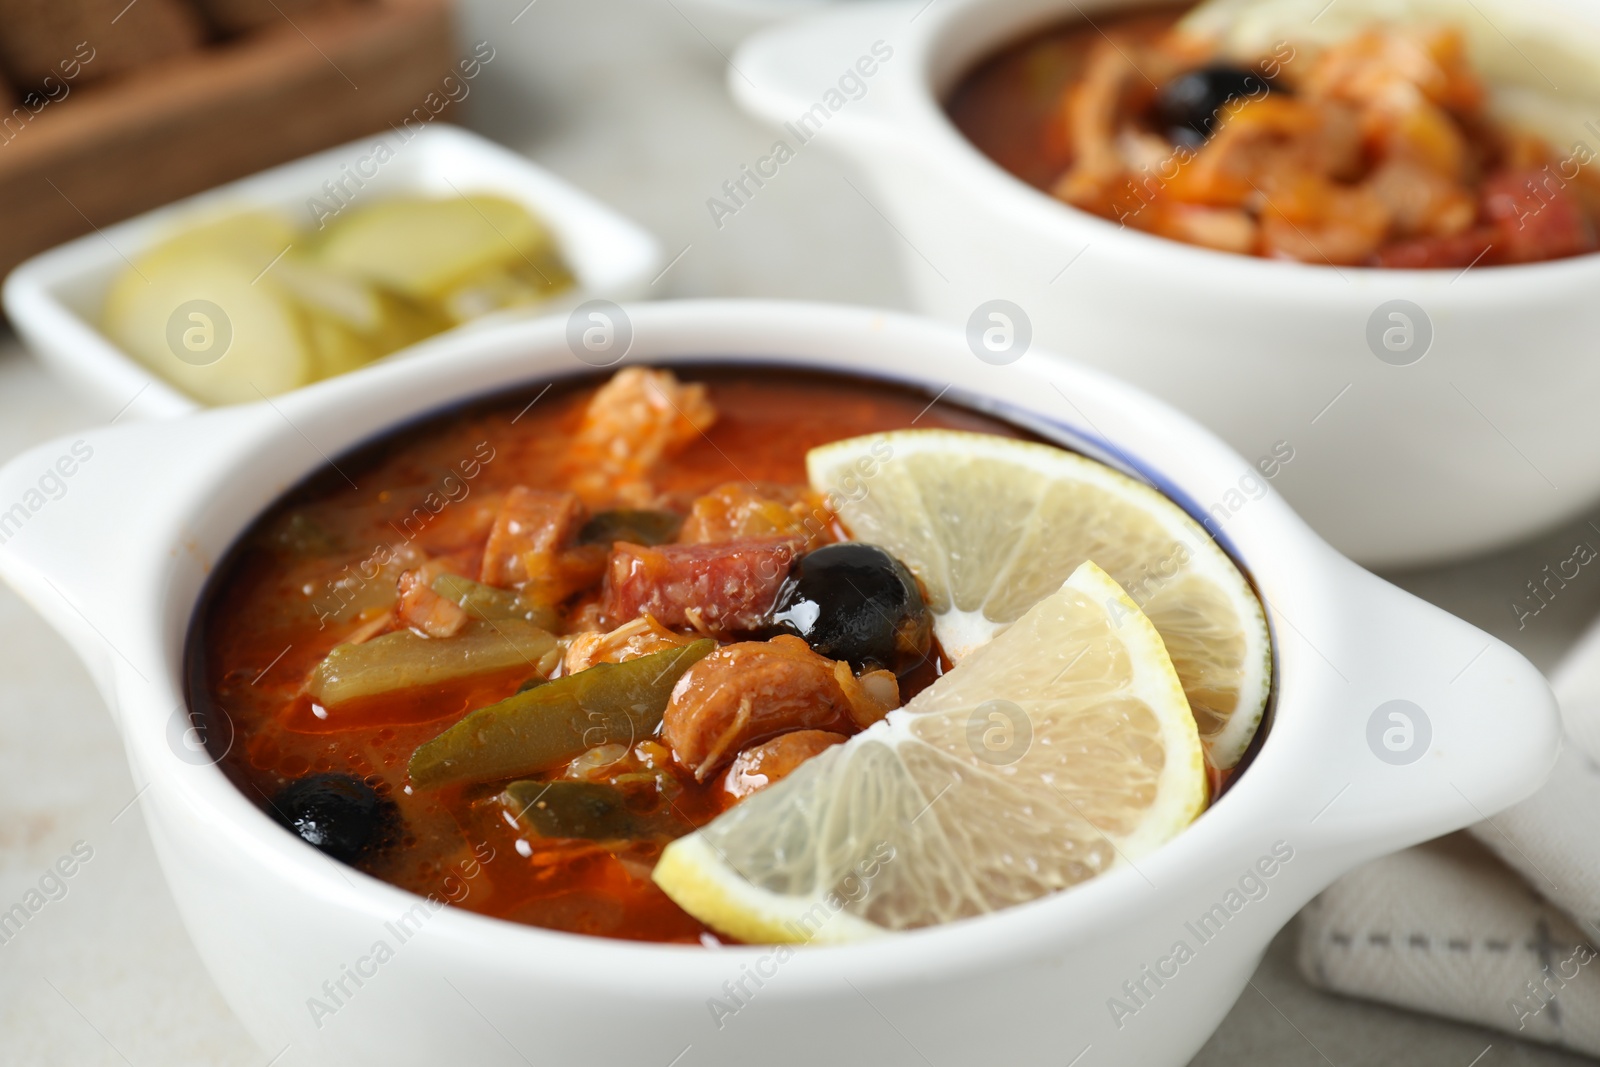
[(507, 656), (1376, 150)]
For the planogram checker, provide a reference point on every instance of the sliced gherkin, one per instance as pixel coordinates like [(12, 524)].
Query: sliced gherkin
[(552, 723)]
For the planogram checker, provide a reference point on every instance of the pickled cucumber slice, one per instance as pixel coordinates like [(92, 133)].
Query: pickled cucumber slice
[(200, 319), (424, 248), (547, 725)]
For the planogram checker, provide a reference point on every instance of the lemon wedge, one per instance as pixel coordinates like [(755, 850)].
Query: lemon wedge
[(1057, 751), (992, 525)]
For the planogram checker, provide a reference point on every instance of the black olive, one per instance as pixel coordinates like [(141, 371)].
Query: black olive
[(1187, 106), (339, 814), (632, 525), (855, 602)]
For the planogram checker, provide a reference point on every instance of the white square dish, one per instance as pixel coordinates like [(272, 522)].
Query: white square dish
[(54, 299)]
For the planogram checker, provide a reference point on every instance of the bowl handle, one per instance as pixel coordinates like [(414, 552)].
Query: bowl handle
[(838, 73), (1435, 726), (89, 534)]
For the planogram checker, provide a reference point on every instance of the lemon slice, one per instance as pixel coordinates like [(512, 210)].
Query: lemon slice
[(1059, 750), (993, 525)]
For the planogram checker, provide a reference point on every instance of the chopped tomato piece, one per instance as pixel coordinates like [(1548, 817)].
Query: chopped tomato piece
[(715, 588)]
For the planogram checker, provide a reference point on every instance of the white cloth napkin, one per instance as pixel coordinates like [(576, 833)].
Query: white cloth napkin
[(1500, 928)]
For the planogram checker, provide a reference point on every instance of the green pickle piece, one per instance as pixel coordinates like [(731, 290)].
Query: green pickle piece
[(555, 722), (633, 525), (407, 660), (591, 810), (490, 603)]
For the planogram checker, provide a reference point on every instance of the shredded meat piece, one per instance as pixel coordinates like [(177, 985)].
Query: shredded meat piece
[(739, 510), (634, 421), (420, 608), (1376, 150), (639, 637), (528, 546), (1090, 114), (743, 694), (716, 589), (771, 761)]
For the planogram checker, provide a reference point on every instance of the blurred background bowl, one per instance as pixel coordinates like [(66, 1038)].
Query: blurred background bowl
[(1479, 434)]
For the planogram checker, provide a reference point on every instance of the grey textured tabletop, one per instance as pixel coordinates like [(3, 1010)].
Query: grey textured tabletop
[(627, 99)]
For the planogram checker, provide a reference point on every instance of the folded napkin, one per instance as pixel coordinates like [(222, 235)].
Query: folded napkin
[(1499, 926)]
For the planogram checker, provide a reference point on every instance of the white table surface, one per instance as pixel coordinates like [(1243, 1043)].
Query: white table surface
[(626, 98)]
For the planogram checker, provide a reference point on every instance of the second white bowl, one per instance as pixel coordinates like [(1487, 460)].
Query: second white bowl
[(1479, 433)]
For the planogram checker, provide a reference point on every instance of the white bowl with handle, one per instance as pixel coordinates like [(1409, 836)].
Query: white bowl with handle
[(1391, 722), (1431, 414)]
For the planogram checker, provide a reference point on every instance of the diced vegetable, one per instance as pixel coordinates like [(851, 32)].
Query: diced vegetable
[(406, 660), (592, 810), (636, 525), (486, 602), (547, 725)]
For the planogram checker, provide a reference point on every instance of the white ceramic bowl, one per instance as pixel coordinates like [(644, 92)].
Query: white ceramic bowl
[(118, 560), (54, 299), (1489, 437)]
